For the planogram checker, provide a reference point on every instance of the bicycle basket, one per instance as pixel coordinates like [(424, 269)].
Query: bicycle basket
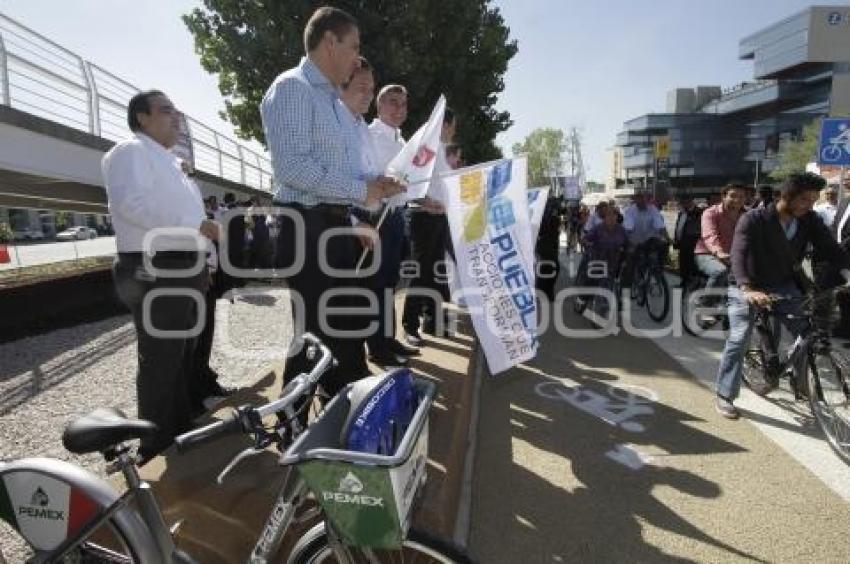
[(367, 497)]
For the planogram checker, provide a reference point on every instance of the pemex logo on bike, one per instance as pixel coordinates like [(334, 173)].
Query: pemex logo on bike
[(43, 509), (350, 484)]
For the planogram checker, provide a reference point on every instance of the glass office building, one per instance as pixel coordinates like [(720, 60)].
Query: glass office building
[(801, 72)]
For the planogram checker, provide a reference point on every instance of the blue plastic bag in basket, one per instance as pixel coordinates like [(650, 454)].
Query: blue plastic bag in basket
[(382, 407)]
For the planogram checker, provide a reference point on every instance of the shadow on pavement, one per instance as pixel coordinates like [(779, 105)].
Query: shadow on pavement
[(565, 485)]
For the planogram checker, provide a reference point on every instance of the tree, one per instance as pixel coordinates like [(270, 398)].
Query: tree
[(432, 47), (795, 155), (545, 148), (5, 233)]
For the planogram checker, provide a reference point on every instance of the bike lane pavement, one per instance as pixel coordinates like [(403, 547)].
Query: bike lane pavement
[(606, 450)]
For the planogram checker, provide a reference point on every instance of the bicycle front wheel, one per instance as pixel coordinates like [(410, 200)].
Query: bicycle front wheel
[(419, 547), (689, 307), (829, 397), (638, 290), (657, 295)]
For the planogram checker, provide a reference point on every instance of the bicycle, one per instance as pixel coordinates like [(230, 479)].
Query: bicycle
[(825, 382), (694, 323), (607, 286), (68, 515), (649, 285)]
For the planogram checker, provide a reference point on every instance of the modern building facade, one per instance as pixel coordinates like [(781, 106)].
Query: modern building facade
[(801, 72)]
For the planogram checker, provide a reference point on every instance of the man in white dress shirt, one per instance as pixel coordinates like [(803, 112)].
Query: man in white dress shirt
[(646, 232), (826, 209), (387, 142), (147, 190)]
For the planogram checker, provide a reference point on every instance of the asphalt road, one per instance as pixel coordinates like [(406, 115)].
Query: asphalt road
[(610, 450), (32, 254)]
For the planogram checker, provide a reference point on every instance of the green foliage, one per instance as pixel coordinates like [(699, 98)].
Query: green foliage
[(545, 147), (5, 233), (432, 47), (795, 155), (63, 221)]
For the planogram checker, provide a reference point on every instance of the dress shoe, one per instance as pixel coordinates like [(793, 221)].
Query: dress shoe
[(385, 358), (401, 349), (223, 391), (413, 338)]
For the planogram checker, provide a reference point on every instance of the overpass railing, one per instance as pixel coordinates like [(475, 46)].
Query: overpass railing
[(40, 77)]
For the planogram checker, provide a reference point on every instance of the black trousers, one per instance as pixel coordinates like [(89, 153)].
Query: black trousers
[(548, 265), (687, 258), (311, 284), (428, 234), (166, 363), (205, 382), (393, 243)]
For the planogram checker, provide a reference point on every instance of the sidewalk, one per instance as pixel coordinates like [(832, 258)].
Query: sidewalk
[(606, 450), (222, 523)]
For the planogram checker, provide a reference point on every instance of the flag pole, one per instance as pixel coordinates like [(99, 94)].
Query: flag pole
[(365, 252)]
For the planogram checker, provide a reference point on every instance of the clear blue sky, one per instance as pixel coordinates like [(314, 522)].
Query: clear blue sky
[(592, 64)]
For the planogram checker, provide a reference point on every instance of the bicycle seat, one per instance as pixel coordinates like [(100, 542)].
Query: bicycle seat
[(102, 428)]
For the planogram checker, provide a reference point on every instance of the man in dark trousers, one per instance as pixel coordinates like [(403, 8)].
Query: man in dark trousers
[(546, 249), (686, 235), (429, 236), (768, 248), (147, 190), (317, 180)]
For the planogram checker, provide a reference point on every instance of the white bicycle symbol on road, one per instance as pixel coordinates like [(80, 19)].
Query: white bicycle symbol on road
[(619, 408), (838, 145)]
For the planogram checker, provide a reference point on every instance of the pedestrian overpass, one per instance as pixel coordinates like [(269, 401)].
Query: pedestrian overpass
[(59, 114)]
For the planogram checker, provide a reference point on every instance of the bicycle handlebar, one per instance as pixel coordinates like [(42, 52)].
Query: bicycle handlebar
[(240, 420), (197, 437)]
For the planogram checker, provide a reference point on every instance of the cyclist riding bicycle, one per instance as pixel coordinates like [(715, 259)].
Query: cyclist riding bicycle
[(646, 232), (595, 218), (715, 245), (768, 248), (608, 242), (605, 245)]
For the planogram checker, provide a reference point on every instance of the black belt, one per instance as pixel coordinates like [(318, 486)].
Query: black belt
[(339, 211), (182, 255)]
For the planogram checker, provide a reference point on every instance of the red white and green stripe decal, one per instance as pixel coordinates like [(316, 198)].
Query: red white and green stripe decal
[(44, 510)]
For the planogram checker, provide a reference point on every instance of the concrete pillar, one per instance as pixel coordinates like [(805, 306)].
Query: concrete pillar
[(839, 98)]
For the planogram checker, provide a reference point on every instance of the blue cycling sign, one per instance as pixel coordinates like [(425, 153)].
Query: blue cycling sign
[(835, 142)]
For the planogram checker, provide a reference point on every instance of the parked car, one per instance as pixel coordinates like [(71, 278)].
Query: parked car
[(76, 234), (28, 235)]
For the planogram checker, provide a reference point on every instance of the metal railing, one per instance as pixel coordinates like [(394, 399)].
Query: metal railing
[(40, 77)]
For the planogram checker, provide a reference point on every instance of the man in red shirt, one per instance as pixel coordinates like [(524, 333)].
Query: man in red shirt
[(718, 227)]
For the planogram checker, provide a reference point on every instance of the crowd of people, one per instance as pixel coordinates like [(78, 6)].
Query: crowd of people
[(330, 190), (749, 245)]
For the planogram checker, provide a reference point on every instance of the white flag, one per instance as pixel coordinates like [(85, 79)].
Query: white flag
[(536, 206), (487, 208), (414, 165)]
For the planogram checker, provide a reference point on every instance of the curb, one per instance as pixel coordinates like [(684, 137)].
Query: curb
[(463, 519)]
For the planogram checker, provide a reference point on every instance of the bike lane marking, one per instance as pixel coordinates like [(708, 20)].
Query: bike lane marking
[(618, 410)]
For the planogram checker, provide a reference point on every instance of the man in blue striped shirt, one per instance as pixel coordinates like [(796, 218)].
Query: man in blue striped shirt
[(318, 181)]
